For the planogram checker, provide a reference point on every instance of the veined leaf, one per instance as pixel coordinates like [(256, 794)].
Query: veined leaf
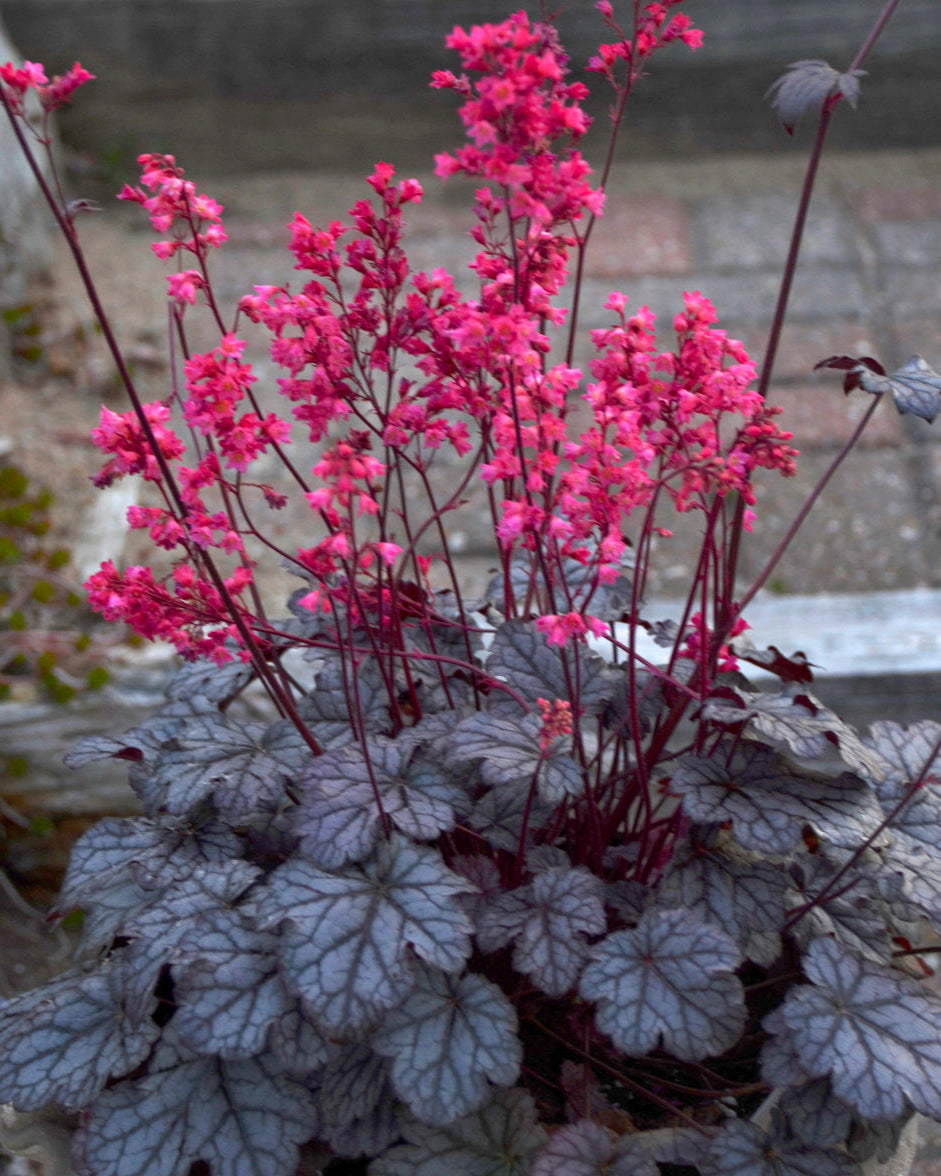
[(855, 917), (801, 722), (498, 1140), (910, 861), (229, 991), (209, 682), (357, 1109), (239, 1117), (509, 752), (740, 1148), (547, 921), (746, 899), (348, 934), (522, 655), (146, 850), (446, 1040), (806, 86), (499, 815), (64, 1041), (876, 1033), (769, 802), (669, 983), (915, 387), (244, 766), (814, 1115), (326, 708), (168, 916), (339, 818), (587, 1149)]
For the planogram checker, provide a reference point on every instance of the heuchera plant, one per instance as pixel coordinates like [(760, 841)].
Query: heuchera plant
[(487, 891)]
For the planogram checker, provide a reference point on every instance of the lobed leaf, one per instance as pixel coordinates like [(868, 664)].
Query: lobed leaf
[(547, 921), (498, 1140), (522, 655), (745, 898), (346, 943), (64, 1041), (911, 862), (813, 1114), (230, 995), (669, 984), (510, 753), (915, 386), (244, 766), (500, 813), (853, 916), (210, 682), (326, 708), (238, 1117), (769, 802), (808, 728), (806, 86), (877, 1034), (587, 1149), (147, 850), (446, 1040), (170, 915), (740, 1148), (339, 816), (357, 1106)]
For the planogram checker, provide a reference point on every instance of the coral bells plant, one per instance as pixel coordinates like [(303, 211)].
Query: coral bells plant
[(452, 881)]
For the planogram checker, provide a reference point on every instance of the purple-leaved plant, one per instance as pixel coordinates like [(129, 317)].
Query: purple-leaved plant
[(487, 891)]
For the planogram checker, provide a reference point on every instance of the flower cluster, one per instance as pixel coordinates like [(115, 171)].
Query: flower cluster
[(654, 28), (30, 76), (188, 220), (678, 427)]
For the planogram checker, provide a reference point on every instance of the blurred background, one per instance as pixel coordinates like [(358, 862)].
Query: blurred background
[(283, 84)]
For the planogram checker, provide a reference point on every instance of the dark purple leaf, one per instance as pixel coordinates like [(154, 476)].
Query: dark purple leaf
[(915, 386), (806, 86), (546, 921), (670, 983), (769, 802), (239, 1117), (876, 1033), (64, 1041), (498, 1140), (348, 935), (446, 1040)]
